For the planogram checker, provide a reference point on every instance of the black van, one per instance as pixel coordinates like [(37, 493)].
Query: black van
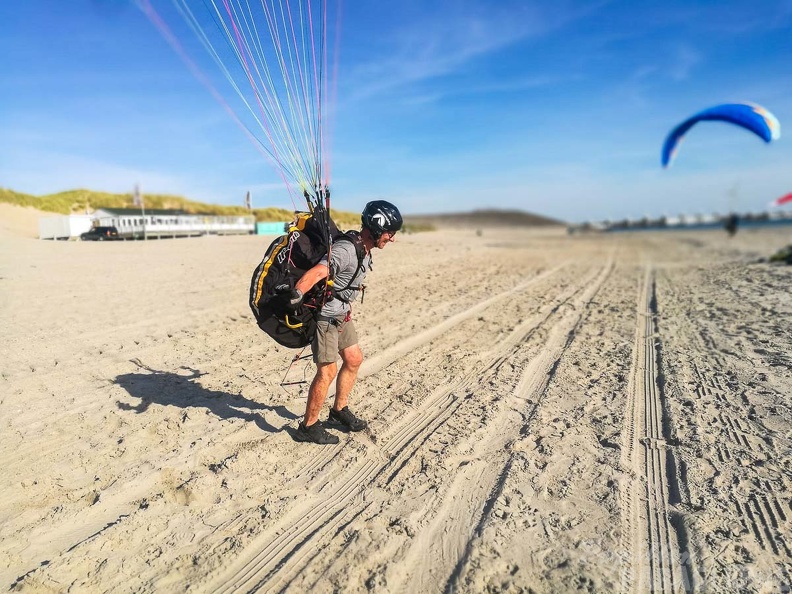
[(100, 234)]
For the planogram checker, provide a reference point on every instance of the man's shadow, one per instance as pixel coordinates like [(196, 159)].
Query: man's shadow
[(172, 389)]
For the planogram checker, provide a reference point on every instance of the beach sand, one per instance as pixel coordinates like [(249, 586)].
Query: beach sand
[(548, 413)]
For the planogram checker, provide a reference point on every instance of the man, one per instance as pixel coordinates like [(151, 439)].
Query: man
[(336, 334), (732, 221)]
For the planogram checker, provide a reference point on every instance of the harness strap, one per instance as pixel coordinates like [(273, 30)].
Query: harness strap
[(333, 320), (352, 237)]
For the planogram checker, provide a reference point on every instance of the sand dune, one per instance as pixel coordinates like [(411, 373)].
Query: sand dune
[(547, 414), (20, 221)]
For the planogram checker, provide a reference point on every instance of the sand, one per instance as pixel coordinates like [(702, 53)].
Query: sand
[(548, 413)]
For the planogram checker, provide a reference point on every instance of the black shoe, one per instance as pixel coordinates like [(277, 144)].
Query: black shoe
[(346, 418), (315, 433)]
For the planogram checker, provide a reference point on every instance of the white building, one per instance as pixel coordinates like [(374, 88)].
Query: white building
[(156, 223), (63, 226), (132, 224)]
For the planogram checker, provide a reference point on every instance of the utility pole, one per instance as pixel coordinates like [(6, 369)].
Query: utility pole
[(248, 201)]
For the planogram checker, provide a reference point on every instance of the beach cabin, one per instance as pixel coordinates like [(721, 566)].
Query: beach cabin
[(132, 223), (63, 226)]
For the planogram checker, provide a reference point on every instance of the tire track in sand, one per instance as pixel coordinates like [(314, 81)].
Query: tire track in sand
[(402, 442), (729, 434), (392, 354), (277, 555), (653, 559), (439, 554)]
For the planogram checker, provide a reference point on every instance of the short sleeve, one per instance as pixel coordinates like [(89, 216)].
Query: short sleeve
[(342, 257)]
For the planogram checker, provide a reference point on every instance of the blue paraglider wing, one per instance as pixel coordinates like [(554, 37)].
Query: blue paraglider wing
[(751, 117)]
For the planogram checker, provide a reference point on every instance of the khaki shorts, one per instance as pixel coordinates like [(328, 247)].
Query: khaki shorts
[(331, 339)]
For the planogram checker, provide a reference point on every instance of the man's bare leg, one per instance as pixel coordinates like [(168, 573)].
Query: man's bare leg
[(317, 393), (352, 358)]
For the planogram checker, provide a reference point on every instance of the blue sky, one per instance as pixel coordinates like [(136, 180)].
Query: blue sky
[(558, 108)]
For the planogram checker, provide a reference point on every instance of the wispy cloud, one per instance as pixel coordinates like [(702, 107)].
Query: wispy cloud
[(683, 60), (677, 63), (747, 18), (492, 88), (444, 44)]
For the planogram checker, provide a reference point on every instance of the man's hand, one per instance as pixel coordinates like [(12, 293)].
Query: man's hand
[(295, 299)]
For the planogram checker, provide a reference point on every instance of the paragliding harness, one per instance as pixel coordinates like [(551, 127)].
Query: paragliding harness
[(309, 238)]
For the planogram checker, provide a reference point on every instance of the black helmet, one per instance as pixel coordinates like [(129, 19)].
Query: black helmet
[(379, 217)]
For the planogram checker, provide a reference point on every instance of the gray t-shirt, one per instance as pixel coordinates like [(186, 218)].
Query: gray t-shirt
[(343, 265)]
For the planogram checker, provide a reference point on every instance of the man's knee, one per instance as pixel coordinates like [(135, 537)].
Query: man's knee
[(326, 372), (352, 357)]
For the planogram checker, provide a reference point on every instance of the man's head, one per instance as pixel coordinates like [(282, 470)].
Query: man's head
[(382, 220)]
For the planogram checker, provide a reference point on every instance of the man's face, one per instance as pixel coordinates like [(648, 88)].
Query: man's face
[(386, 238)]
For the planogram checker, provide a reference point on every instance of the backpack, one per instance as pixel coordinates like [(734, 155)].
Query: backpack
[(287, 258)]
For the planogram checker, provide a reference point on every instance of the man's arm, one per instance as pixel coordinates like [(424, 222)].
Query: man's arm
[(306, 283), (310, 278)]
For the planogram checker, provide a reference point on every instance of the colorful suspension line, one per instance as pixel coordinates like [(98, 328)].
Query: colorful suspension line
[(273, 54)]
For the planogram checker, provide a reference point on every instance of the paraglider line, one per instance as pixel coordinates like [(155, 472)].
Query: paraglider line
[(157, 21)]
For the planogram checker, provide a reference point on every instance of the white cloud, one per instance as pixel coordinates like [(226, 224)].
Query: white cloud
[(491, 88), (450, 40), (684, 59)]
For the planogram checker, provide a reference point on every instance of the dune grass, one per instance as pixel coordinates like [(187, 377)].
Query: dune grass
[(82, 201)]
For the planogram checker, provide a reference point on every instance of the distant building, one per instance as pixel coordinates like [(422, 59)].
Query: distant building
[(63, 226), (132, 224), (156, 223)]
